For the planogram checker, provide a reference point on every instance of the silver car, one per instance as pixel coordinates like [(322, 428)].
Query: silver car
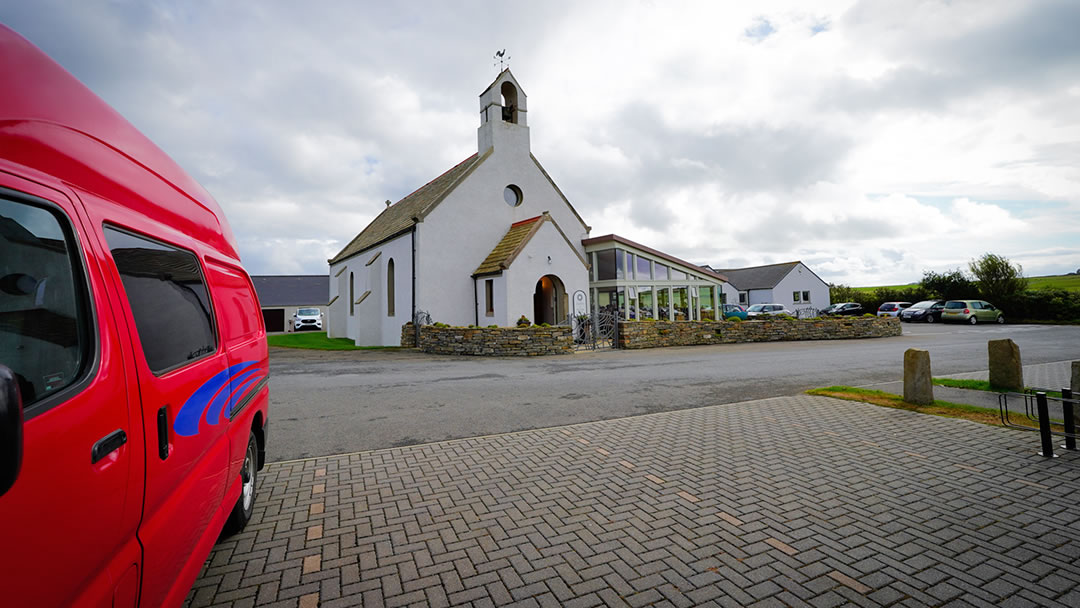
[(767, 310)]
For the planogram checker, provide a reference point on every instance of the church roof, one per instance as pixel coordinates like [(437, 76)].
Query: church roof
[(507, 249), (758, 277), (514, 242), (403, 214)]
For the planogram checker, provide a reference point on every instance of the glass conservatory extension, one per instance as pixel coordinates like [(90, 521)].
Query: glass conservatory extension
[(642, 283)]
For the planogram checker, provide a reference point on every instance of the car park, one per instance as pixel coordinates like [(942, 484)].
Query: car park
[(971, 312), (133, 356), (892, 309), (843, 308), (927, 311), (307, 318), (767, 310), (734, 311)]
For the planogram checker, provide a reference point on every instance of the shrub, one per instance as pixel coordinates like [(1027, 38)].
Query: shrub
[(733, 319), (437, 324), (493, 327), (524, 321), (544, 325), (998, 277)]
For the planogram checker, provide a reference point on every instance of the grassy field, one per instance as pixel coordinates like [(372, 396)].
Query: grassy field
[(316, 341), (1065, 281)]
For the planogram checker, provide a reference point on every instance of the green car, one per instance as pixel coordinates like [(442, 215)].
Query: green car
[(734, 310), (971, 311)]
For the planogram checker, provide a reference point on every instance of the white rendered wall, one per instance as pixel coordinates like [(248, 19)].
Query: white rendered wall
[(339, 310), (463, 229), (371, 325), (801, 279), (499, 316), (532, 264)]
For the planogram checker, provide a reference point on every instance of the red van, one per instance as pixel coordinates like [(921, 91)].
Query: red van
[(133, 359)]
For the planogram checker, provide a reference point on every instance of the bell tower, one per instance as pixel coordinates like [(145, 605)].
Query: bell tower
[(504, 110)]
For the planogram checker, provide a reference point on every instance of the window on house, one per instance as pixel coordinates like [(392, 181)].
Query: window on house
[(167, 294), (352, 295), (620, 265), (489, 297), (660, 271), (742, 297), (806, 296), (390, 287), (794, 296), (644, 270), (605, 265)]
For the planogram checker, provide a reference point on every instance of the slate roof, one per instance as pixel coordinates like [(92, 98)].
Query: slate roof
[(292, 289), (516, 237), (403, 214), (758, 277)]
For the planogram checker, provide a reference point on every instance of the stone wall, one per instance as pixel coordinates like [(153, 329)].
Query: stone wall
[(655, 334), (491, 341), (408, 335)]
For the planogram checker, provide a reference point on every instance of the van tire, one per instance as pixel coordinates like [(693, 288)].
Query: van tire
[(245, 505)]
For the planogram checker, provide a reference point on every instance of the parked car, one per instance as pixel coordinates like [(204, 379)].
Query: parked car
[(767, 310), (844, 308), (892, 309), (133, 355), (307, 318), (927, 311), (971, 311), (734, 311)]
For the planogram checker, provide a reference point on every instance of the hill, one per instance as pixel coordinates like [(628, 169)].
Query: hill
[(1070, 282)]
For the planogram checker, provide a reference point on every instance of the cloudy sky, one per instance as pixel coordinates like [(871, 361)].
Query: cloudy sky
[(870, 139)]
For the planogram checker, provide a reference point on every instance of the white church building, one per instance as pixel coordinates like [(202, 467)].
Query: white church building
[(488, 241)]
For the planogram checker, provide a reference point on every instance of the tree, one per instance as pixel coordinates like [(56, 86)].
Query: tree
[(998, 278), (948, 285)]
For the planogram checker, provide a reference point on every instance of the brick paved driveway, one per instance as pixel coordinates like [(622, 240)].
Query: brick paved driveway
[(789, 501)]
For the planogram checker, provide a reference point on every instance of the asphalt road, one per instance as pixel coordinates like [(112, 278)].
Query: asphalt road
[(335, 402)]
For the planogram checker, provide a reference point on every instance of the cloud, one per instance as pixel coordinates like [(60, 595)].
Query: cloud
[(872, 139)]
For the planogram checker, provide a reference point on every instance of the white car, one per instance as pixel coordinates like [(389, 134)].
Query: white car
[(892, 309), (767, 310), (307, 318)]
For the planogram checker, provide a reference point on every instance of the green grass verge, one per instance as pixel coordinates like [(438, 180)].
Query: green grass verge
[(945, 409), (980, 385), (317, 341)]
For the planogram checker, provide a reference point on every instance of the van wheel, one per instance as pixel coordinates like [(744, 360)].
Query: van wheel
[(245, 505), (973, 320)]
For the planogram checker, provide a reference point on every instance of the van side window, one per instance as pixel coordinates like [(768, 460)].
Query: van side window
[(167, 294), (44, 309)]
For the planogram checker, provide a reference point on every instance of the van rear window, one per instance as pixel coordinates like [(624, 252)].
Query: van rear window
[(168, 298)]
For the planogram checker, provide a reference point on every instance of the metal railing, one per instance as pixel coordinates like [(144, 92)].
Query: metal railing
[(1037, 410)]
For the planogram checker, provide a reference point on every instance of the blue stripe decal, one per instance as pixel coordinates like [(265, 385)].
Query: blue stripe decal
[(189, 419)]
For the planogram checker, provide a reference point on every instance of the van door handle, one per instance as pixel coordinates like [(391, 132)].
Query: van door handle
[(163, 432), (107, 445)]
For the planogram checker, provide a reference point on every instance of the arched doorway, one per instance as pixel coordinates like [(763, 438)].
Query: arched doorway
[(549, 300)]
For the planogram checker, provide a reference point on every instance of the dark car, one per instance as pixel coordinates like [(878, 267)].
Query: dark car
[(844, 308), (927, 311)]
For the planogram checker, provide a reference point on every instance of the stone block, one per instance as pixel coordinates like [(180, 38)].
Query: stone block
[(1006, 370), (918, 387)]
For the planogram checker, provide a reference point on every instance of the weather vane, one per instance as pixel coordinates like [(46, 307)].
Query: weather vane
[(502, 59)]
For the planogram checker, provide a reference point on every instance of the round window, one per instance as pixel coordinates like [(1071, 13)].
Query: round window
[(512, 195)]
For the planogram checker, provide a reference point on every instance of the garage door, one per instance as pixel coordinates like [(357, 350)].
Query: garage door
[(274, 319)]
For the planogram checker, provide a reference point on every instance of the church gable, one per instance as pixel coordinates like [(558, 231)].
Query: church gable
[(403, 214)]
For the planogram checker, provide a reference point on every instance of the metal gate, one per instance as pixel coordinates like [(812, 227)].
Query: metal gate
[(595, 331)]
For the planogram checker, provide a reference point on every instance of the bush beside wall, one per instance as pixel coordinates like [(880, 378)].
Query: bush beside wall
[(658, 334)]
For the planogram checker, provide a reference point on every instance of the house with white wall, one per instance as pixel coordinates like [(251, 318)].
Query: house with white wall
[(488, 241), (792, 284)]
